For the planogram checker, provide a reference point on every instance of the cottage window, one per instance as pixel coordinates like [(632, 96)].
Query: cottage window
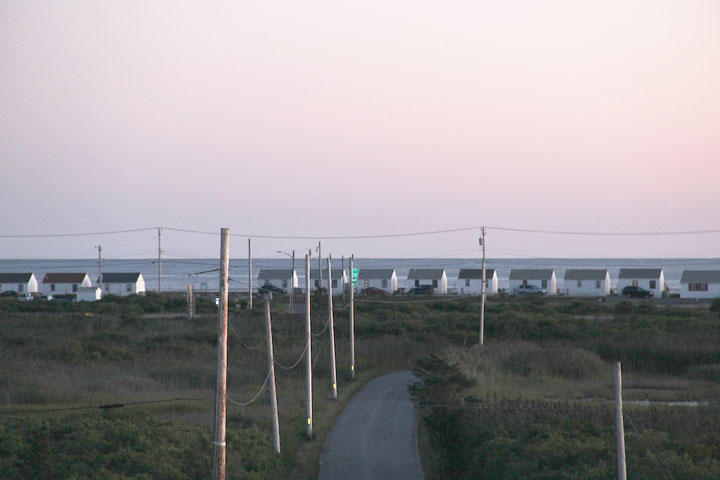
[(384, 284), (285, 283), (544, 284), (107, 287), (524, 282), (467, 282), (52, 287), (434, 283), (128, 288), (21, 288), (317, 283), (698, 287), (74, 287), (579, 283), (597, 283), (417, 283), (653, 284), (334, 283), (367, 283), (635, 283)]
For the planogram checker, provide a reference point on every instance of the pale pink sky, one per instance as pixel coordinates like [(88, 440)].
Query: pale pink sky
[(334, 118)]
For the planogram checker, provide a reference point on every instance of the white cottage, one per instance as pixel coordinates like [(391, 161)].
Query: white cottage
[(651, 279), (469, 281), (587, 283), (339, 278), (123, 283), (88, 294), (700, 284), (285, 278), (382, 278), (542, 278), (63, 283), (22, 283), (435, 277)]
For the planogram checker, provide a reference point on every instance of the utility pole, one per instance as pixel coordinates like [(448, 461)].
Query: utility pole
[(271, 370), (319, 250), (352, 320), (619, 427), (482, 296), (250, 276), (333, 368), (100, 278), (219, 463), (308, 340), (191, 300), (292, 282), (342, 278), (159, 261)]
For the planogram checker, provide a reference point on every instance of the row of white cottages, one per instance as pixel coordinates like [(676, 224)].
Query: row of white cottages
[(73, 283), (578, 282)]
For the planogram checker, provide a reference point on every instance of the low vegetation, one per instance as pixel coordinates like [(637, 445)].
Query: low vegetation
[(516, 403)]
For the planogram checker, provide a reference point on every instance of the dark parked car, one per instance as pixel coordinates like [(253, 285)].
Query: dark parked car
[(636, 292), (373, 292), (421, 290), (8, 293), (268, 288)]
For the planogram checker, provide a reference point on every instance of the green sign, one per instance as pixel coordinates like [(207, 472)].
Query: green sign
[(354, 277)]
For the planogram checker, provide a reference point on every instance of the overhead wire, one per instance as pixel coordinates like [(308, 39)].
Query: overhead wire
[(245, 404)]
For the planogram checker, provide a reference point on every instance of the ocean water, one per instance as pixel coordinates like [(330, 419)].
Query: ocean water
[(203, 273)]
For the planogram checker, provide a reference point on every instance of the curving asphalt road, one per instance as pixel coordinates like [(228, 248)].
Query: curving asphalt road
[(375, 437)]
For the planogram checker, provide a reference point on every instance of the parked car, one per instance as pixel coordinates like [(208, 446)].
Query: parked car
[(373, 292), (268, 288), (421, 290), (529, 290), (636, 292), (8, 293)]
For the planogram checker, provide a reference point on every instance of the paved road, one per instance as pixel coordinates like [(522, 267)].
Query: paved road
[(374, 438)]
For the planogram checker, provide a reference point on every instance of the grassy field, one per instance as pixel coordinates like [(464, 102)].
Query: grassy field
[(539, 353)]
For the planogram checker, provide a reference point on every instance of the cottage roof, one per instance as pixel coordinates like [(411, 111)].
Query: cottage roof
[(426, 273), (475, 273), (640, 273), (275, 274), (532, 274), (15, 277), (700, 276), (336, 273), (121, 277), (64, 277), (589, 274), (375, 273)]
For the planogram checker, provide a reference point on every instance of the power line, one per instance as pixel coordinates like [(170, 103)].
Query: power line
[(85, 234), (378, 236)]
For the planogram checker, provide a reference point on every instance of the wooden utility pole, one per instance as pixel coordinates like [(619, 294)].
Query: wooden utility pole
[(482, 296), (331, 326), (308, 357), (319, 250), (250, 277), (219, 463), (342, 278), (191, 300), (271, 372), (100, 278), (619, 427), (159, 261), (352, 320)]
